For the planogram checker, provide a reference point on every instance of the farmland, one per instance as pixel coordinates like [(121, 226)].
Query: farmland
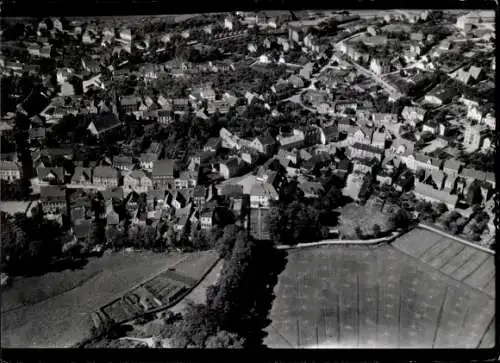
[(399, 296), (54, 310)]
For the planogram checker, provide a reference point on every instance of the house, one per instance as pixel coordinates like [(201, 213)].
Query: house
[(422, 161), (129, 104), (384, 177), (262, 194), (9, 171), (91, 65), (290, 140), (146, 161), (207, 217), (428, 193), (431, 126), (231, 22), (379, 66), (283, 89), (384, 118), (53, 198), (82, 176), (50, 175), (46, 51), (180, 104), (123, 163), (379, 138), (362, 135), (263, 144), (490, 120), (404, 182), (475, 113), (199, 195), (434, 178), (361, 150), (34, 49), (221, 106), (296, 81), (187, 179), (213, 144), (230, 168), (331, 134), (164, 117), (105, 176), (474, 137), (440, 96), (452, 167), (137, 181), (103, 123), (163, 174)]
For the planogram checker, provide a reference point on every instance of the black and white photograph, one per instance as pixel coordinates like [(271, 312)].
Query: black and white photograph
[(283, 179)]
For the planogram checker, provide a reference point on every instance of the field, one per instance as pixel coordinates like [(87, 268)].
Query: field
[(352, 215), (54, 310), (163, 289), (348, 297)]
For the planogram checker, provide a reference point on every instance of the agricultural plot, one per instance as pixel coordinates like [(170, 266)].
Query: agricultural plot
[(163, 289), (459, 261), (343, 297)]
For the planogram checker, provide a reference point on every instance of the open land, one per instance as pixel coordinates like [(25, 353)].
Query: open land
[(53, 310), (424, 291)]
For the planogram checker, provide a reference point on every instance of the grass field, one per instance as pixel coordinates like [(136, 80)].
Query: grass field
[(352, 215), (344, 297), (61, 317)]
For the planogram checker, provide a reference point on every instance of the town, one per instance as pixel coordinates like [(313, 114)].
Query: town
[(281, 128)]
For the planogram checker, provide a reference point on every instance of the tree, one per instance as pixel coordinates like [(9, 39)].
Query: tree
[(224, 339), (225, 243), (400, 219), (442, 208), (474, 195), (377, 230), (359, 232)]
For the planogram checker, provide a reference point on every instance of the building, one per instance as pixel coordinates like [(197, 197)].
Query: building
[(262, 195), (263, 144), (213, 144), (53, 198), (123, 163), (199, 195), (129, 104), (474, 136), (230, 168), (452, 167), (103, 123), (105, 176), (258, 224), (440, 96), (379, 66), (163, 174), (428, 193), (9, 171), (353, 186), (294, 139), (186, 180), (360, 150), (146, 161), (137, 181), (82, 176)]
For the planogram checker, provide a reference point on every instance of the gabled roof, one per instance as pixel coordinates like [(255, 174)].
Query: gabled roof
[(453, 164), (82, 172), (266, 139), (105, 172), (231, 190), (106, 121), (8, 165), (51, 192), (137, 174), (264, 190), (473, 174), (199, 191), (44, 172), (163, 167)]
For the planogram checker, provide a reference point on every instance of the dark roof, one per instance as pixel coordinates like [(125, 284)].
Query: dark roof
[(53, 192), (105, 172), (366, 147), (266, 139), (163, 167), (106, 121), (231, 190), (199, 191)]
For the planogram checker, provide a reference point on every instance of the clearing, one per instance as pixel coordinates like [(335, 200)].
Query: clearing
[(366, 216), (398, 296)]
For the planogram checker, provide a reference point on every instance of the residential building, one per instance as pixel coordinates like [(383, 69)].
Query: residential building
[(353, 186), (53, 198), (52, 176), (213, 144), (294, 139), (123, 163), (130, 104), (263, 144), (230, 168), (163, 174), (428, 193), (199, 195), (360, 150), (262, 195), (146, 161), (103, 123), (474, 137), (379, 66), (187, 179), (137, 181), (105, 176), (82, 176), (9, 171), (452, 167)]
